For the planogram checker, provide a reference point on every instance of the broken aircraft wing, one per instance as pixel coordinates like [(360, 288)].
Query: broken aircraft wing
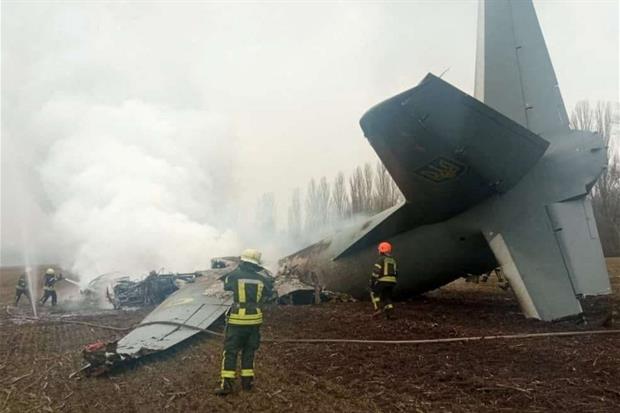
[(195, 306)]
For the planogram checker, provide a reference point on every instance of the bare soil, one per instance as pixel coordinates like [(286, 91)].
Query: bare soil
[(567, 374)]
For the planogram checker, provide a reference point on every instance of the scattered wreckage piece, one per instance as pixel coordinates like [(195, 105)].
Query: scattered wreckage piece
[(297, 287), (195, 306), (123, 292), (154, 289), (291, 290)]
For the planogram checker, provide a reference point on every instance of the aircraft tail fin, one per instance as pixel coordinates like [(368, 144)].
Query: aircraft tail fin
[(514, 74)]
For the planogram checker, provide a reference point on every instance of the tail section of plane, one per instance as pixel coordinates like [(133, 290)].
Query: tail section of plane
[(514, 74), (446, 152)]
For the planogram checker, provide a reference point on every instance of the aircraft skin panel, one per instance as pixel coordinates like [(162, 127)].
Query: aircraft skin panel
[(514, 73)]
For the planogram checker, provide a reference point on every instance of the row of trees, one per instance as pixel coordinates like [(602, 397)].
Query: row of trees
[(366, 191), (603, 119)]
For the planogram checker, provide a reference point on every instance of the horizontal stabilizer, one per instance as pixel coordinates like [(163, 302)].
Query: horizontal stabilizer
[(576, 233), (446, 150), (551, 258)]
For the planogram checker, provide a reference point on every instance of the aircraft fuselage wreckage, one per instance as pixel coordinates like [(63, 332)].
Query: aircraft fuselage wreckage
[(504, 182)]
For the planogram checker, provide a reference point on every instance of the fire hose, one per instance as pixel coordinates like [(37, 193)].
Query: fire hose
[(345, 340)]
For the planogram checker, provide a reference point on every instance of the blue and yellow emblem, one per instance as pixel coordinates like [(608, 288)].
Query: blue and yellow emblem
[(441, 170)]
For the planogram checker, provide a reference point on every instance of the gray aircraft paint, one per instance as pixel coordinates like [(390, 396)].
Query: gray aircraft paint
[(504, 182)]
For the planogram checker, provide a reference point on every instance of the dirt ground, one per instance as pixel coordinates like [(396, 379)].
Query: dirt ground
[(566, 374)]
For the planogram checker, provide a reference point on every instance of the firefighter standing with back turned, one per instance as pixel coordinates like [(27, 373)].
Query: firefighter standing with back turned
[(383, 281), (250, 284)]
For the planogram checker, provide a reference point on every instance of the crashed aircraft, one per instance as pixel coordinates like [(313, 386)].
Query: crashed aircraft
[(495, 180)]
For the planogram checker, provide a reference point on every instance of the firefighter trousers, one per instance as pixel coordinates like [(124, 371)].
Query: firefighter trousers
[(49, 294), (244, 340), (382, 295), (18, 294)]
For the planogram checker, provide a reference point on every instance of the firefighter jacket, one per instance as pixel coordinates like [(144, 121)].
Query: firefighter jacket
[(385, 270), (22, 284), (250, 285), (49, 283)]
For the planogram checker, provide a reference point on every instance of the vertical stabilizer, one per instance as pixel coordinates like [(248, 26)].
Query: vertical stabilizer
[(514, 74)]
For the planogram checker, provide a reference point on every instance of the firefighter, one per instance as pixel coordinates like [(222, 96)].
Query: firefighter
[(250, 284), (383, 281), (22, 288), (49, 286)]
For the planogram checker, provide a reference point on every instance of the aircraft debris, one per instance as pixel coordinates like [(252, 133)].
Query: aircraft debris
[(297, 287), (194, 308), (154, 289), (183, 314)]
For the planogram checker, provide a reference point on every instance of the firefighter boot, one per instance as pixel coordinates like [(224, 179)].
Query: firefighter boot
[(247, 383), (389, 312), (225, 388)]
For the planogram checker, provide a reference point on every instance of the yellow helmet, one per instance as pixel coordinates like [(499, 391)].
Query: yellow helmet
[(50, 271), (252, 256)]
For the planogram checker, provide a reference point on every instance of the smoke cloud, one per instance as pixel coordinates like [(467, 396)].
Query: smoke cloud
[(136, 185), (140, 135)]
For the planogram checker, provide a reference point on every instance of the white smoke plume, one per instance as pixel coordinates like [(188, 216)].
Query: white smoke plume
[(138, 135), (137, 186)]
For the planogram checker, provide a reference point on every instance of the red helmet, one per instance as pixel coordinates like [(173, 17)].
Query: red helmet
[(385, 247)]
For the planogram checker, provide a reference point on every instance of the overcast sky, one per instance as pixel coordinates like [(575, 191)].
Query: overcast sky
[(276, 91)]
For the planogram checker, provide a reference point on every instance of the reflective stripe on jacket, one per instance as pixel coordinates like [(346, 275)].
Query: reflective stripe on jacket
[(49, 284), (250, 285), (385, 270)]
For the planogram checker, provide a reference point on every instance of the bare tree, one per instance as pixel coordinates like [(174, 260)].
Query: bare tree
[(581, 118), (356, 189), (387, 193), (266, 213), (323, 197), (312, 206), (606, 192), (367, 189), (294, 216), (340, 198)]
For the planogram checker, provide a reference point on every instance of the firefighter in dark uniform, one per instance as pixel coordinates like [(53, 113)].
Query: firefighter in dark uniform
[(250, 284), (49, 286), (383, 281), (22, 288)]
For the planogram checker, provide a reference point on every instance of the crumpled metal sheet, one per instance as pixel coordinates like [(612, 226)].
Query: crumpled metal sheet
[(198, 304)]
